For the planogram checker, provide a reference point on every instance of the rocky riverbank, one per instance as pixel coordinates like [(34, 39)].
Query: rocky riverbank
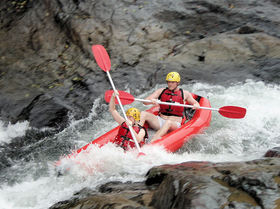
[(252, 184), (48, 75), (47, 70)]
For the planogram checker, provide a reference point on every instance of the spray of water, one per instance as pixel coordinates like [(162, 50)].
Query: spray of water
[(10, 131), (38, 186)]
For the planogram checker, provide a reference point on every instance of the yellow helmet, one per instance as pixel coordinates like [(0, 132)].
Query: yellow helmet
[(134, 112), (173, 76)]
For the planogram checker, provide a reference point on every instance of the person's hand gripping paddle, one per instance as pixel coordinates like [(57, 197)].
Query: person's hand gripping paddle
[(103, 60), (226, 111)]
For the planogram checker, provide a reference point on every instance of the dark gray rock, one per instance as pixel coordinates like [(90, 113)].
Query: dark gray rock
[(47, 73), (269, 71), (274, 152), (252, 184), (46, 59)]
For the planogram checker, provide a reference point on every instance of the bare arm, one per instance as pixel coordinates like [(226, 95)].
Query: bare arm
[(119, 119), (189, 98), (153, 96), (112, 108), (140, 136)]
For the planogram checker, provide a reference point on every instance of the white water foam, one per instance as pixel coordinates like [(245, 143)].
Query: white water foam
[(10, 131), (225, 140), (253, 135), (89, 169)]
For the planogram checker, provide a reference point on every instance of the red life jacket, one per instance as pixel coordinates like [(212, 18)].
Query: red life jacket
[(124, 138), (171, 96)]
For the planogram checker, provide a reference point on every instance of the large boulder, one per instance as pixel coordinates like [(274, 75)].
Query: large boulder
[(252, 184), (46, 59)]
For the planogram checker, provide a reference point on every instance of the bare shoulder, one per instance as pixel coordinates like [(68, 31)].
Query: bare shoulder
[(155, 94), (187, 94), (160, 90)]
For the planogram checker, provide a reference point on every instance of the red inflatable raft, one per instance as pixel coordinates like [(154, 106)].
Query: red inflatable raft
[(198, 121)]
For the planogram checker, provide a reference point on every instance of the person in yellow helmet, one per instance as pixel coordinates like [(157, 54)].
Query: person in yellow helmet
[(170, 117), (124, 137)]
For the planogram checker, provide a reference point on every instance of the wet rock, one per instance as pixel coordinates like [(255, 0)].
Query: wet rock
[(274, 152), (46, 61), (252, 184), (35, 112), (268, 70), (118, 186), (247, 29), (229, 49), (111, 195), (18, 148)]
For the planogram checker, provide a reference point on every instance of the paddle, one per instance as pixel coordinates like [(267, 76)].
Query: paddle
[(103, 60), (226, 111)]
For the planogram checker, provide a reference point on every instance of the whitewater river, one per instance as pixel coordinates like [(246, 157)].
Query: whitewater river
[(31, 181)]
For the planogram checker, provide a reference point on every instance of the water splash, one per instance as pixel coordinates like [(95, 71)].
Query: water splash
[(247, 138), (10, 131), (37, 185)]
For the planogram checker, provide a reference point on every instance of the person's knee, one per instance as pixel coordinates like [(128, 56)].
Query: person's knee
[(172, 125), (168, 123), (145, 115)]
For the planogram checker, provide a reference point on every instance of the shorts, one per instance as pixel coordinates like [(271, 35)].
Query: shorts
[(162, 122)]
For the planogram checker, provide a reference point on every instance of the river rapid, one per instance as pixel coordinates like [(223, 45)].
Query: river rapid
[(31, 182)]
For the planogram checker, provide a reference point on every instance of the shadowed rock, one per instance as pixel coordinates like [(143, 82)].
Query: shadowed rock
[(46, 60), (274, 152), (252, 184)]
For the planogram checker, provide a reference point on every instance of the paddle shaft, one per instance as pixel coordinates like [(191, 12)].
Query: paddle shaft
[(226, 111), (118, 98), (175, 104)]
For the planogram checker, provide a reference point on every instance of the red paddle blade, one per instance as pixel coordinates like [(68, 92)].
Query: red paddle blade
[(102, 58), (141, 154), (232, 112), (126, 98)]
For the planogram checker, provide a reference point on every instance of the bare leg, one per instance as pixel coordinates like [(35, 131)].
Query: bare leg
[(151, 119), (168, 126)]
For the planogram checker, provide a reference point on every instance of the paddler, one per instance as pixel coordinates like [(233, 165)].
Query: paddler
[(124, 138), (170, 117)]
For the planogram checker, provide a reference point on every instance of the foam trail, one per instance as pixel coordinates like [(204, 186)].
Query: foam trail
[(10, 131), (34, 184)]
